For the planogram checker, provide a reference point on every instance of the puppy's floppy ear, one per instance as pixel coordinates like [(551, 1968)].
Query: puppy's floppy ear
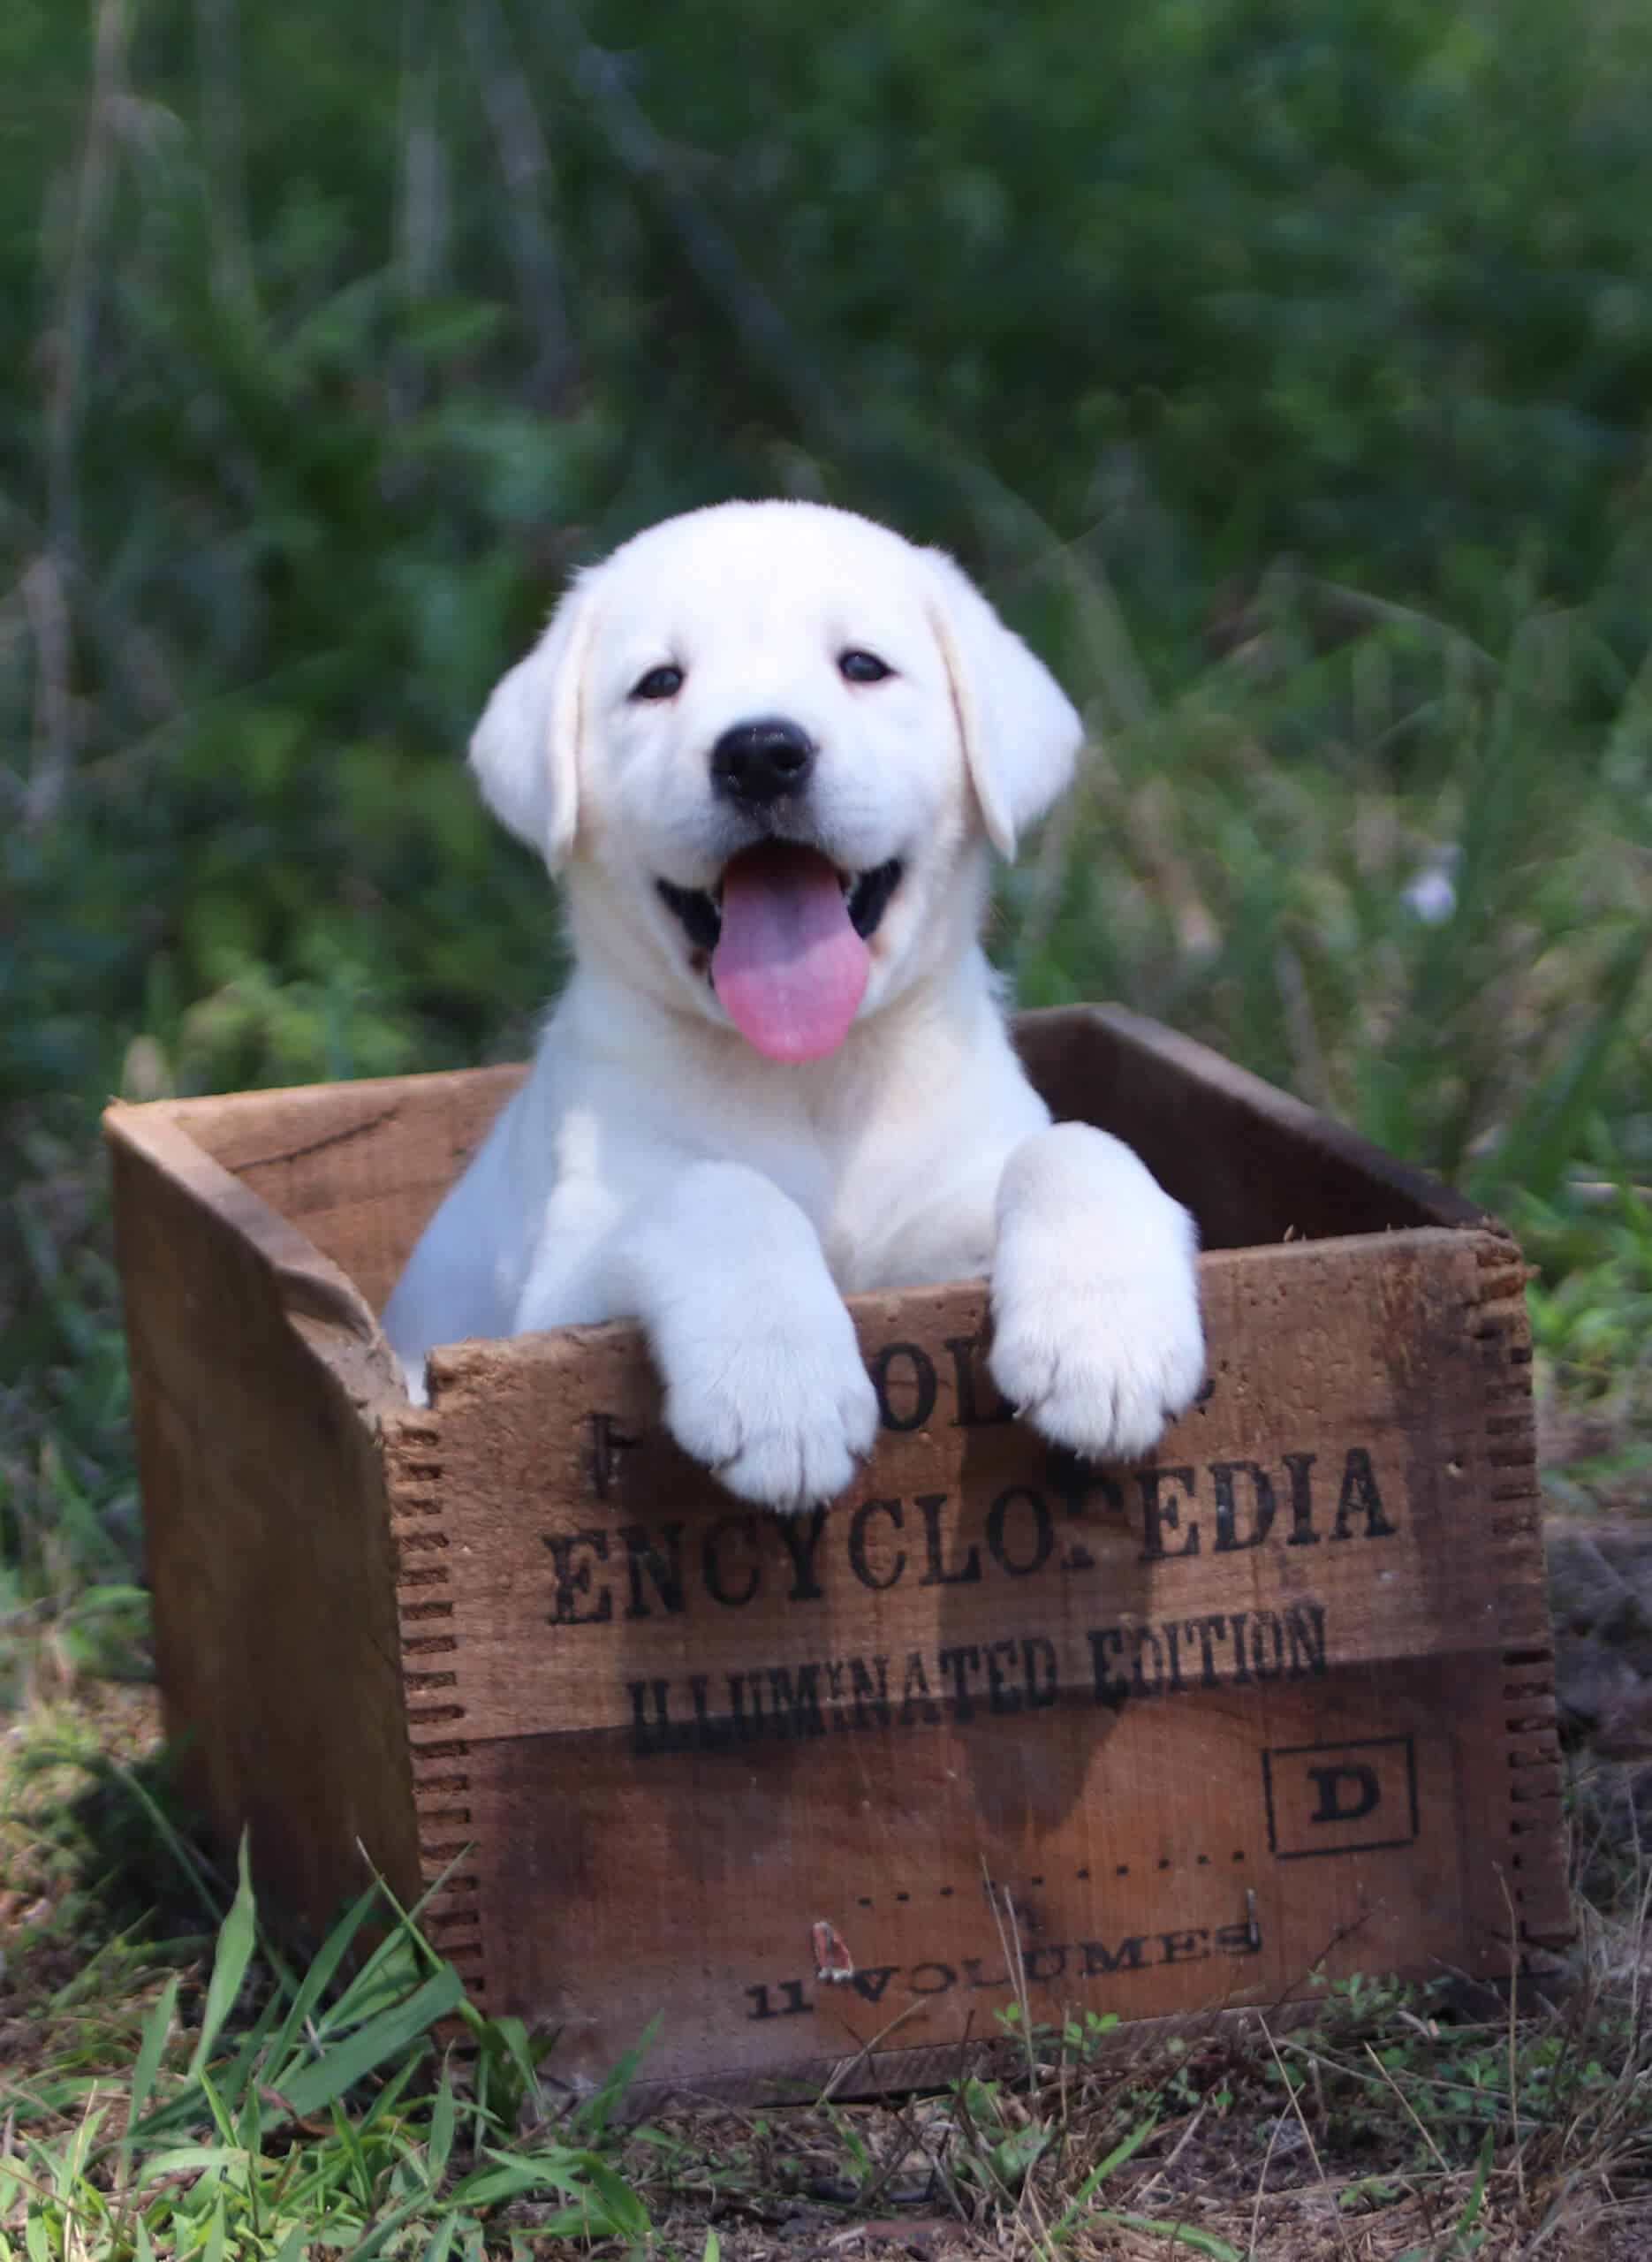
[(1021, 731), (525, 749)]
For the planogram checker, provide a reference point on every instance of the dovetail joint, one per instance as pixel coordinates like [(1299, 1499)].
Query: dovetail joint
[(432, 1704)]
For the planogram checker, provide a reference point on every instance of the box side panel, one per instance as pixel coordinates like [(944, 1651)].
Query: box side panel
[(361, 1167), (675, 1719), (265, 1530), (1250, 1163)]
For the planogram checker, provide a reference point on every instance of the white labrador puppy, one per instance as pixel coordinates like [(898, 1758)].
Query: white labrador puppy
[(766, 745)]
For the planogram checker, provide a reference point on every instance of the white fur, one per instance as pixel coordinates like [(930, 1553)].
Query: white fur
[(654, 1165)]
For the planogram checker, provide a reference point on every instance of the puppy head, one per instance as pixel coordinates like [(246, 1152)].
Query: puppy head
[(766, 740)]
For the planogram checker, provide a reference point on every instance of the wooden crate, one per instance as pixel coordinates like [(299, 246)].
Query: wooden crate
[(1170, 1736)]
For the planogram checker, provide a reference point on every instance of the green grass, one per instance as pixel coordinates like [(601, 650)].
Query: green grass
[(256, 2109), (185, 2090)]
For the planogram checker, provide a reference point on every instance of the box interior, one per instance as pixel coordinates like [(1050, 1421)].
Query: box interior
[(361, 1167)]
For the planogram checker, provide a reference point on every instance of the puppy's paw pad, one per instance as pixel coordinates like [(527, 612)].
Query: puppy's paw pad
[(1101, 1370)]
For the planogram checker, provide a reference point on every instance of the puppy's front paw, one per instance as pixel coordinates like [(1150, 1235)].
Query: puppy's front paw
[(1101, 1365), (779, 1422)]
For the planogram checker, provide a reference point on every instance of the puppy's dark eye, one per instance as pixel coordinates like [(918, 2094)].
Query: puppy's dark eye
[(659, 683), (862, 667)]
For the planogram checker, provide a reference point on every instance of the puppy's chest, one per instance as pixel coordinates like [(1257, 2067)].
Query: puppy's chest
[(895, 1202), (879, 1235)]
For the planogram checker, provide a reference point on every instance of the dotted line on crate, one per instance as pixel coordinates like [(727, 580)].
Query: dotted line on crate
[(439, 1754), (1083, 1876), (1535, 1878)]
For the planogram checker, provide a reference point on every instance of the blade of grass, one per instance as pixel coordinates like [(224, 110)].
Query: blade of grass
[(188, 1862), (1098, 2176), (1198, 2242), (1537, 1151), (444, 2122), (151, 2044), (237, 1936), (619, 2213), (318, 1978), (442, 2238), (233, 2082), (593, 2117), (381, 2038)]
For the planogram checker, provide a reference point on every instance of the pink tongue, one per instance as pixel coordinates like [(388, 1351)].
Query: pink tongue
[(789, 968)]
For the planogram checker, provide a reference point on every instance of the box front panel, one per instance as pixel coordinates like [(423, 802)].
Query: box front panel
[(867, 1889), (1269, 1696)]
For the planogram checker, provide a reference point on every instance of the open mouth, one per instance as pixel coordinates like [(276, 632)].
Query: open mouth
[(784, 937), (866, 898)]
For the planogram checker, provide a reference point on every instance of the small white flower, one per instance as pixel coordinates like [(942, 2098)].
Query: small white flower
[(1432, 894)]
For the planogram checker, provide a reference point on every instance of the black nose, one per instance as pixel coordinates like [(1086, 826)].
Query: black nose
[(756, 762)]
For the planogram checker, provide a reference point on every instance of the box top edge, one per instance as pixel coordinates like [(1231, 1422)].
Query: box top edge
[(206, 1107), (554, 1345), (312, 1290)]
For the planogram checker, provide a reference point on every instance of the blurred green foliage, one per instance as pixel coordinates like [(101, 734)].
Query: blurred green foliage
[(326, 345)]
